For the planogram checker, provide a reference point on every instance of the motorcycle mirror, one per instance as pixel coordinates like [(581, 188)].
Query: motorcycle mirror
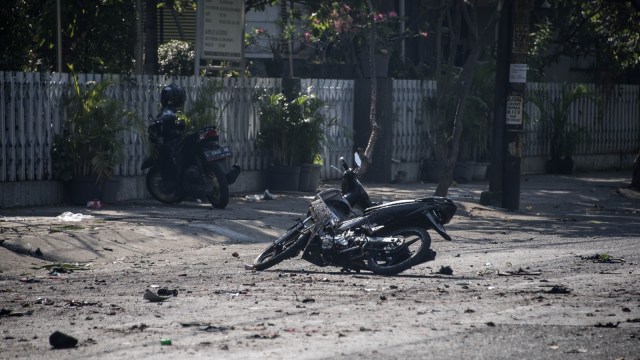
[(357, 159)]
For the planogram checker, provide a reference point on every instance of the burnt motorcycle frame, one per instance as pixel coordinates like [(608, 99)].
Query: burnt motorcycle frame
[(377, 236)]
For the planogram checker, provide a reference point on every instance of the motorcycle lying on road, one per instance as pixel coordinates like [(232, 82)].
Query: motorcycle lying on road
[(199, 167), (383, 238)]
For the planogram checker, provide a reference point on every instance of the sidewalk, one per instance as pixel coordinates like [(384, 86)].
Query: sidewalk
[(25, 230)]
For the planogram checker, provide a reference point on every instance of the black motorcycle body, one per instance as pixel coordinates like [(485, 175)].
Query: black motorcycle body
[(192, 166), (344, 228)]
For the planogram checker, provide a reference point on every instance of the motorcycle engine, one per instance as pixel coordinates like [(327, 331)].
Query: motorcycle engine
[(195, 181)]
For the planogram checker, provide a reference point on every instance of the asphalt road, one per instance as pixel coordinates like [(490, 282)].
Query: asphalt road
[(558, 279)]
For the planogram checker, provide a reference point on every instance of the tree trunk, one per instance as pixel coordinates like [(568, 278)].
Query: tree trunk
[(375, 128), (450, 126), (635, 179), (151, 38)]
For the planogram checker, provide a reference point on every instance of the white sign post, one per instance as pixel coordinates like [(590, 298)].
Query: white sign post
[(220, 30)]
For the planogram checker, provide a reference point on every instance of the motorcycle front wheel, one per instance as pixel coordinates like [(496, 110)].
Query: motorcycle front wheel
[(155, 188), (285, 247), (391, 259), (219, 195)]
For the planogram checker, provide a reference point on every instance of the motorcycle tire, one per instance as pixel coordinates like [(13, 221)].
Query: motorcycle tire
[(219, 196), (285, 247), (153, 180), (391, 260)]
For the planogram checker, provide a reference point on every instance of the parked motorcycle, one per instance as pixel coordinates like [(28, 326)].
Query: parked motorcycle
[(196, 166), (344, 228)]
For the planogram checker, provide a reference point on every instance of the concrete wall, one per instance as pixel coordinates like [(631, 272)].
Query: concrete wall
[(37, 193)]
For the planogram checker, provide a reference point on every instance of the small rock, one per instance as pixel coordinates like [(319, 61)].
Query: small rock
[(61, 340), (445, 270), (167, 292)]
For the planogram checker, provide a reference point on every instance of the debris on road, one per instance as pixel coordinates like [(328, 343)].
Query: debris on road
[(69, 216), (60, 340), (148, 295), (445, 270)]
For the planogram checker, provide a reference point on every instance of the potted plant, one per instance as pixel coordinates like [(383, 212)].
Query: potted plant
[(292, 133), (477, 118), (85, 154), (563, 136)]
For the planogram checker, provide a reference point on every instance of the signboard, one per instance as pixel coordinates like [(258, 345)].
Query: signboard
[(514, 109), (520, 43), (518, 73), (222, 29)]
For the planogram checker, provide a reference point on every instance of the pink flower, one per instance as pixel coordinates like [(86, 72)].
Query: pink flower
[(393, 14), (379, 17), (307, 36), (424, 34)]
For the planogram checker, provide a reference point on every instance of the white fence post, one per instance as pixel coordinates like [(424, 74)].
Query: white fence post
[(32, 112)]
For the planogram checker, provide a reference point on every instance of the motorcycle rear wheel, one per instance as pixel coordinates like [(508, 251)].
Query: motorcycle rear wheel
[(391, 260), (153, 181), (285, 247), (219, 196)]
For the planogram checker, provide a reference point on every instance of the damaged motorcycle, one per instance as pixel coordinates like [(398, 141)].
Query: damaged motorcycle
[(344, 228)]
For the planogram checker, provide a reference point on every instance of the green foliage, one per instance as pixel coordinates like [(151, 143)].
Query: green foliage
[(97, 36), (475, 140), (563, 136), (176, 58), (90, 144), (606, 31), (203, 110), (16, 32), (292, 131)]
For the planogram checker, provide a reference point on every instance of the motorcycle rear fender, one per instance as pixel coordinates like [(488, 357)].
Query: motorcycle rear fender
[(407, 213), (437, 226)]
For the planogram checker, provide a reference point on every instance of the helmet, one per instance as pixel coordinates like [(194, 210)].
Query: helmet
[(172, 95)]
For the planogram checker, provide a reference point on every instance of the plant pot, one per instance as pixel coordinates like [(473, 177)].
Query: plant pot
[(480, 171), (110, 191), (80, 190), (309, 177), (560, 166), (464, 170), (283, 178), (429, 171)]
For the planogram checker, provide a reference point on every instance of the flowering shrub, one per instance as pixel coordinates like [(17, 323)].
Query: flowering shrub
[(329, 32), (389, 31), (334, 29), (263, 39)]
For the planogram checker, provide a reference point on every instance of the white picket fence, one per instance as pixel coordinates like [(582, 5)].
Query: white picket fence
[(32, 111)]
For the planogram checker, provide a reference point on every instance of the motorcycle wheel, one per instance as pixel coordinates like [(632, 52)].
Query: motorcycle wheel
[(285, 247), (219, 196), (153, 180), (391, 259)]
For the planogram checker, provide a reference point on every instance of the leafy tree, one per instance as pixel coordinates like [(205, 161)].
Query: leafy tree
[(16, 30), (456, 62), (96, 36), (606, 31)]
